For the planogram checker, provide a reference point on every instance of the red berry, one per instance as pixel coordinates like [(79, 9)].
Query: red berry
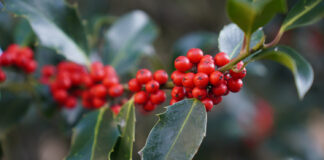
[(158, 97), (189, 92), (239, 67), (98, 102), (234, 85), (216, 78), (216, 99), (110, 71), (187, 80), (76, 78), (60, 95), (110, 81), (227, 76), (143, 76), (2, 76), (140, 97), (206, 67), (201, 80), (98, 90), (199, 93), (27, 52), (30, 66), (152, 86), (70, 102), (207, 58), (7, 59), (219, 90), (48, 70), (115, 109), (161, 76), (87, 80), (116, 90), (208, 104), (177, 77), (21, 61), (221, 59), (149, 106), (97, 71), (134, 86), (178, 93), (13, 48), (195, 55), (182, 64), (173, 101), (63, 80)]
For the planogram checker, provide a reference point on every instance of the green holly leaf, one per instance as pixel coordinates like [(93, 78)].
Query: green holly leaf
[(301, 69), (23, 34), (231, 38), (95, 136), (303, 13), (178, 133), (127, 39), (56, 25), (250, 15), (126, 122)]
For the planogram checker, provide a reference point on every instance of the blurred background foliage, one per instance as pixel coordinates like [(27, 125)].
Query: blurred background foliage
[(264, 121)]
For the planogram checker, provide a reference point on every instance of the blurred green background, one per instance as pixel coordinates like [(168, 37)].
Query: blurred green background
[(264, 121)]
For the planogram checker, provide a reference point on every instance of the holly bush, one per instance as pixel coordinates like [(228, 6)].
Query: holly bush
[(90, 74)]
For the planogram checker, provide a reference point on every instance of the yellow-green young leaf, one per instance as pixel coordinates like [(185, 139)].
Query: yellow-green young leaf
[(126, 122), (231, 38), (94, 136), (249, 15), (178, 133), (303, 13), (301, 69), (127, 39), (56, 24)]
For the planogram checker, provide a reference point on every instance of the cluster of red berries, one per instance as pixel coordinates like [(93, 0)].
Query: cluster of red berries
[(147, 88), (69, 80), (196, 76), (19, 57)]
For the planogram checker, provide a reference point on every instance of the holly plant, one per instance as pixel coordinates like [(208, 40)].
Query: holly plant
[(92, 65)]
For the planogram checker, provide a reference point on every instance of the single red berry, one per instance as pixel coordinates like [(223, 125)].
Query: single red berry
[(13, 48), (177, 77), (60, 95), (207, 58), (208, 104), (173, 101), (199, 93), (141, 97), (182, 64), (227, 76), (97, 72), (221, 59), (178, 93), (216, 78), (2, 76), (188, 92), (110, 81), (152, 86), (219, 90), (134, 86), (216, 99), (70, 102), (7, 59), (161, 76), (63, 80), (158, 97), (48, 70), (149, 106), (30, 66), (110, 71), (234, 85), (116, 90), (87, 103), (115, 109), (195, 55), (206, 67), (98, 90), (98, 102), (201, 80), (27, 52), (76, 78), (87, 80), (21, 61), (242, 71), (187, 80), (143, 76)]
